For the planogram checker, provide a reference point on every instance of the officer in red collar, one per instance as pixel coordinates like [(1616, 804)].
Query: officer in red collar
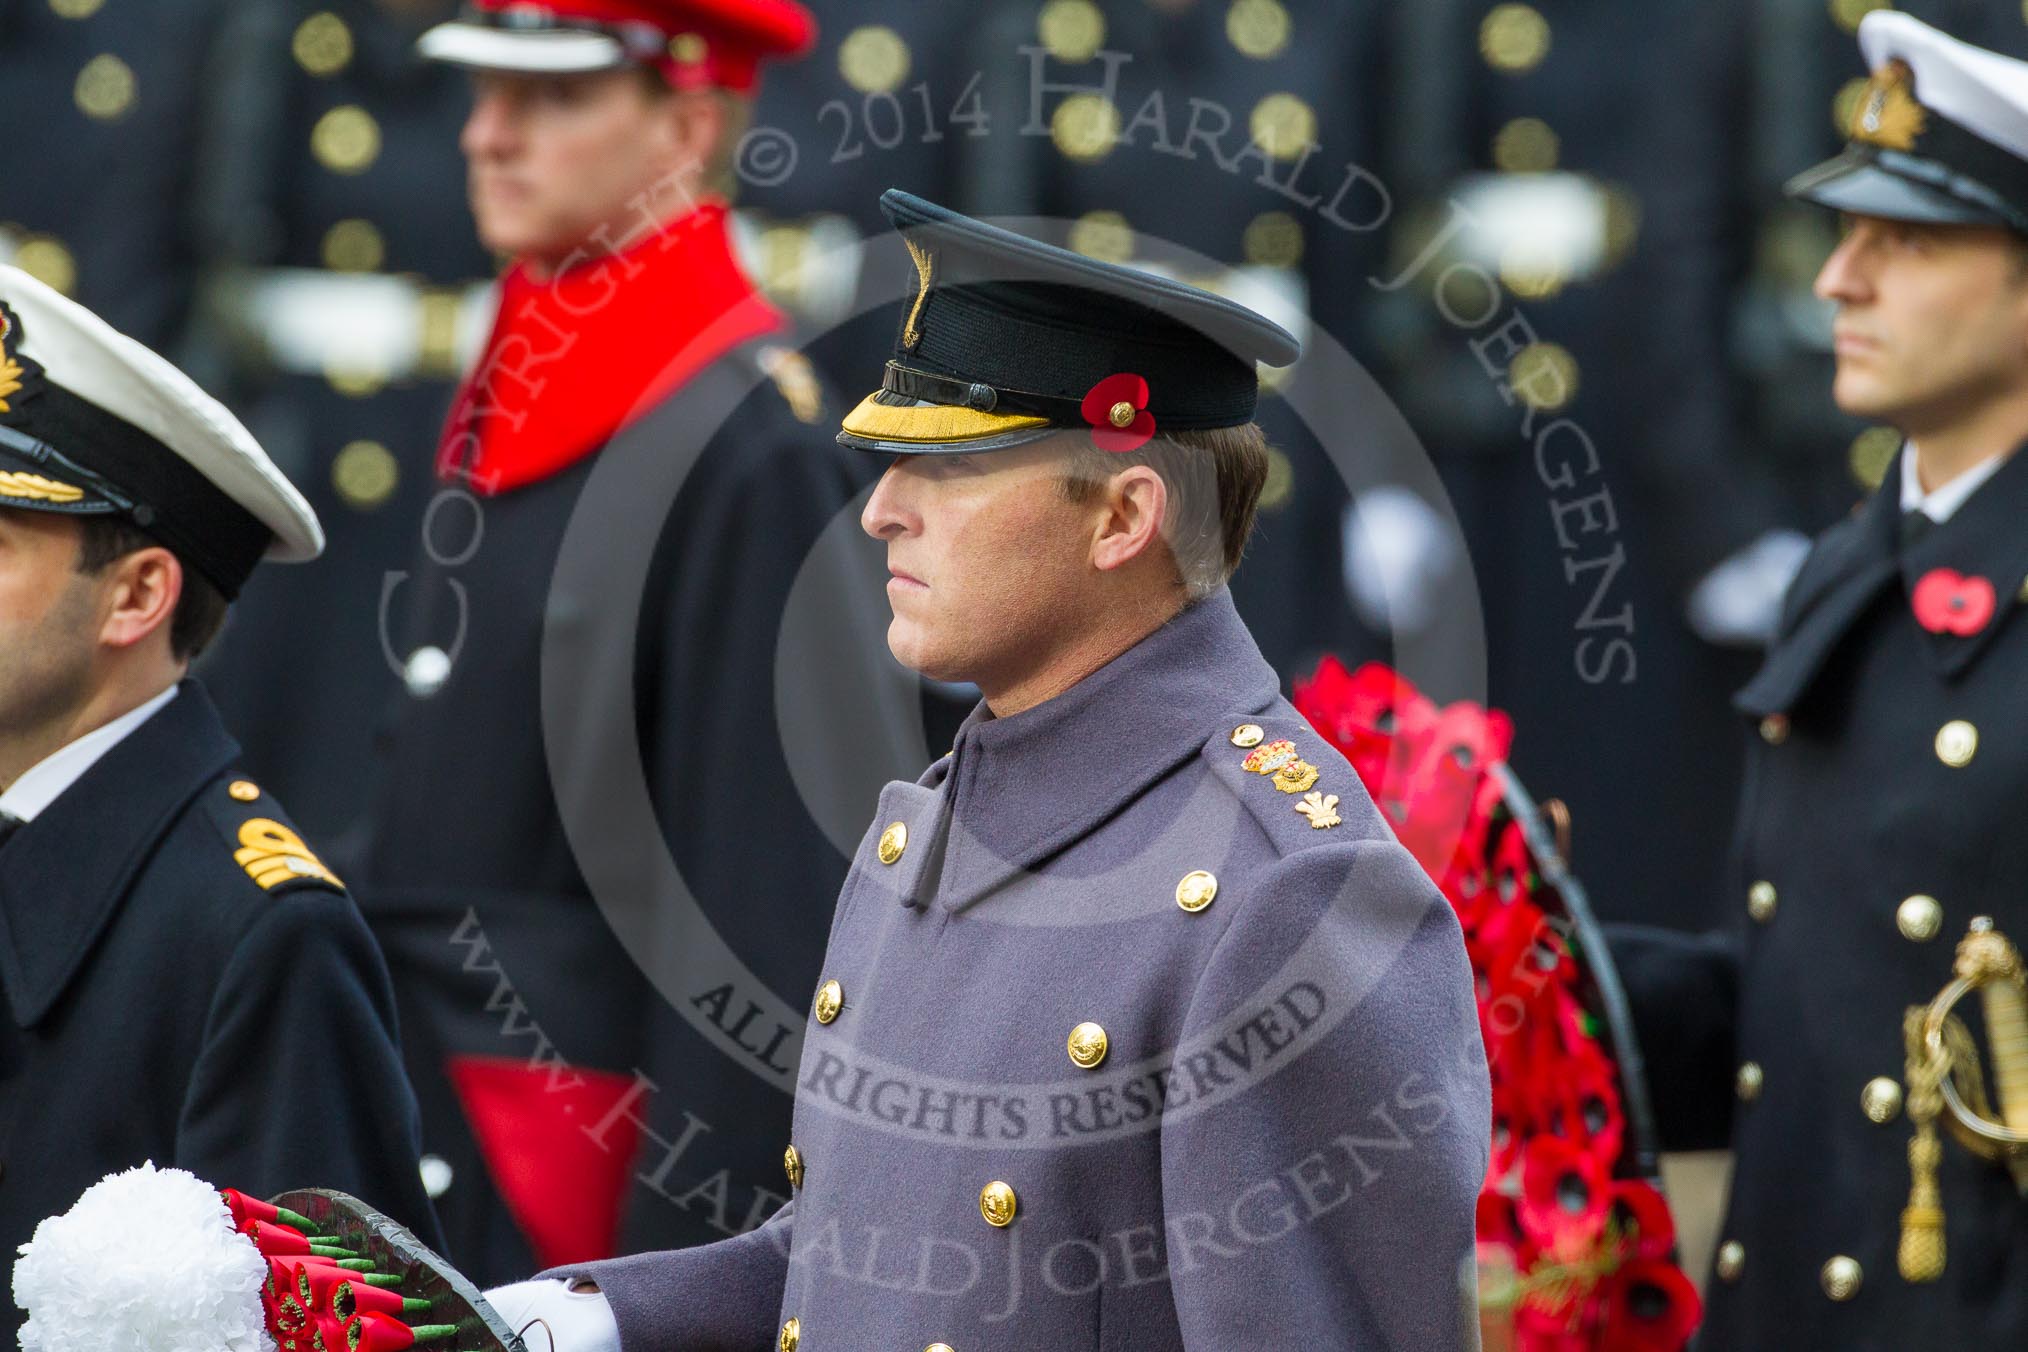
[(182, 978), (1878, 818), (597, 858)]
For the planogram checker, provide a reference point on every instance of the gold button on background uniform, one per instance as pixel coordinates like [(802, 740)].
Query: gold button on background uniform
[(365, 474), (346, 140), (893, 841), (830, 999), (1956, 743), (792, 1334), (1087, 1045), (938, 1347), (792, 1165), (105, 88), (1247, 734), (1731, 1260), (1841, 1277), (1760, 901), (1880, 1100), (1919, 918), (1774, 729), (1747, 1083), (1196, 890), (47, 260), (322, 44), (873, 59), (997, 1204), (244, 790), (354, 245)]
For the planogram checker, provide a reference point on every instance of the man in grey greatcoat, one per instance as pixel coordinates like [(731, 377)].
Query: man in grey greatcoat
[(1137, 1028)]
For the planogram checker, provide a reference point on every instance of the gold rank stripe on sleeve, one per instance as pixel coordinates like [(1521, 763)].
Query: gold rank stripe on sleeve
[(272, 855)]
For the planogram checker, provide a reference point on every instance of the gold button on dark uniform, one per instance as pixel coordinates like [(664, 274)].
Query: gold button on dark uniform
[(1919, 918), (938, 1347), (997, 1204), (792, 1334), (792, 1165), (1747, 1083), (1247, 734), (1774, 729), (1760, 901), (1880, 1100), (1956, 743), (244, 790), (893, 841), (1087, 1045), (1731, 1260), (830, 999), (1196, 890), (1841, 1277)]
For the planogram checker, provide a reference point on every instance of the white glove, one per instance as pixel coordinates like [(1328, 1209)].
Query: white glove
[(1738, 603), (578, 1321)]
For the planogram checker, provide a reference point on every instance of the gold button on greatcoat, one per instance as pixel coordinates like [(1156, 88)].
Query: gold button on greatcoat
[(830, 999), (1956, 743), (1196, 890), (893, 841), (1919, 918), (1760, 901), (1841, 1277), (1774, 729), (1880, 1100), (792, 1334), (244, 790), (1087, 1045), (997, 1204), (1731, 1260), (792, 1165), (1747, 1083), (938, 1347), (1247, 734)]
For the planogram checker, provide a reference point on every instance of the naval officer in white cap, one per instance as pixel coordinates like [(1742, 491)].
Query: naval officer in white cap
[(181, 978), (1881, 809)]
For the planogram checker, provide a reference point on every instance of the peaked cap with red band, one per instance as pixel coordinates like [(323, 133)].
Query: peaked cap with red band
[(1007, 339), (696, 44)]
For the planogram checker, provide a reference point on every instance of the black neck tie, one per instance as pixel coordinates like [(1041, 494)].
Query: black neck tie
[(9, 824), (1914, 525)]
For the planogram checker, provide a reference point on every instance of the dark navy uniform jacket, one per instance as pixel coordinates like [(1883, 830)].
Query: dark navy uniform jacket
[(182, 985), (1880, 816), (1119, 1044)]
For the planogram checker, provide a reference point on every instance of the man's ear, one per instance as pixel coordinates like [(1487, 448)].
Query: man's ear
[(697, 124), (142, 590), (1132, 506)]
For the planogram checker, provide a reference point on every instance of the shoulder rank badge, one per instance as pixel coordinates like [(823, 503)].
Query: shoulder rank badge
[(1278, 758), (1321, 809), (273, 855)]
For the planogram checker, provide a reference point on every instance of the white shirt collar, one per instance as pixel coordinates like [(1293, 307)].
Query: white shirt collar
[(1944, 502), (46, 780)]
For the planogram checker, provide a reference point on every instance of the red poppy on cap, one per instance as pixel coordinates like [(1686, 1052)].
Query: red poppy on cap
[(1117, 409)]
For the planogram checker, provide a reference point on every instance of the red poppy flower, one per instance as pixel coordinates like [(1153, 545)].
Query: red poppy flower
[(1564, 1193), (1650, 1306), (1948, 602), (1642, 1218), (1117, 409)]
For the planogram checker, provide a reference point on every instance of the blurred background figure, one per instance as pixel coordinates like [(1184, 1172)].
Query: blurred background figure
[(343, 291)]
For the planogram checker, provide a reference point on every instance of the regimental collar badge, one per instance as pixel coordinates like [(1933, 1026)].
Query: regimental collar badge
[(1278, 758), (1887, 114), (21, 377)]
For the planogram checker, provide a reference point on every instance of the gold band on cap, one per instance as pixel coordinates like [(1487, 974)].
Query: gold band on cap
[(931, 424)]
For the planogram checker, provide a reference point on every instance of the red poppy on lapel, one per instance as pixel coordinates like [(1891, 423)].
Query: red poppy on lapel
[(1947, 602), (1117, 409)]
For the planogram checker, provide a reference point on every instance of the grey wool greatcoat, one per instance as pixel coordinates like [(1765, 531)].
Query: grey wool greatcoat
[(1119, 1044)]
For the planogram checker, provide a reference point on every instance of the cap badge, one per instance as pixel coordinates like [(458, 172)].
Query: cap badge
[(1947, 602), (1888, 114), (1117, 409), (925, 269), (18, 374)]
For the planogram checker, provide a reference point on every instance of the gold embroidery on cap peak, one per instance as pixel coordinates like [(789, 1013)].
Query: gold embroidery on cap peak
[(35, 488), (1888, 114)]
